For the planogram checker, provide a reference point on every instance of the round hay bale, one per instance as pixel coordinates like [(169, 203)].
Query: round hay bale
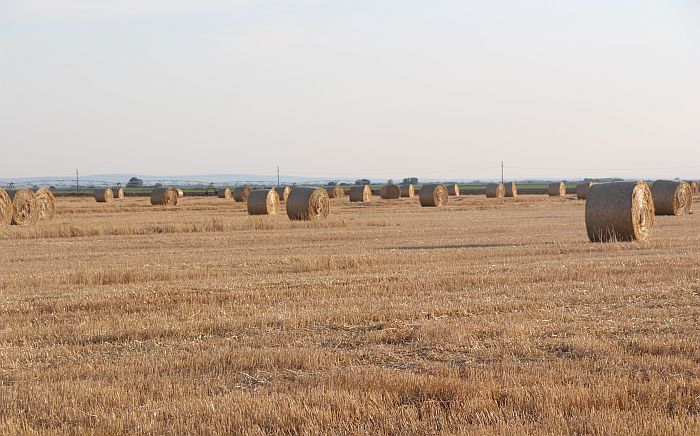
[(671, 197), (390, 192), (495, 190), (452, 189), (695, 187), (224, 193), (5, 208), (511, 189), (283, 192), (240, 194), (407, 191), (263, 202), (104, 195), (25, 207), (557, 189), (308, 204), (180, 193), (47, 204), (164, 197), (621, 211), (360, 194), (335, 192), (433, 195), (118, 193), (582, 190)]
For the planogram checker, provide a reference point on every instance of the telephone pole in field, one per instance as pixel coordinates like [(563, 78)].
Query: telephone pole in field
[(278, 175), (77, 183), (502, 172)]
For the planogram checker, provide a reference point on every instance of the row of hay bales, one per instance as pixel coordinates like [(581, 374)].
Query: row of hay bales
[(160, 196), (303, 203), (24, 207)]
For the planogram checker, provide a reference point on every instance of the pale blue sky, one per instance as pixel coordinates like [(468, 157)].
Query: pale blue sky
[(440, 89)]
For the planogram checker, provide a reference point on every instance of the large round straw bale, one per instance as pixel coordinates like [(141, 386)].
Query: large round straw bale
[(695, 187), (241, 193), (5, 208), (433, 195), (407, 190), (360, 193), (283, 192), (118, 193), (495, 190), (557, 189), (164, 197), (390, 192), (25, 207), (621, 211), (263, 202), (47, 204), (335, 192), (671, 197), (104, 195), (452, 189), (308, 204), (224, 193), (582, 190), (180, 193), (511, 189)]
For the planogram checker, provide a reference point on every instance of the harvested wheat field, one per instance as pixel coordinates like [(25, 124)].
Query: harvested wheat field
[(385, 318)]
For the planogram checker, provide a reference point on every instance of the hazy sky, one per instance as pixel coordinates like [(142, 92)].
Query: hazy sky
[(335, 88)]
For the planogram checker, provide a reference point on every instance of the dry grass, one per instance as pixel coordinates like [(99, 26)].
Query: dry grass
[(486, 316)]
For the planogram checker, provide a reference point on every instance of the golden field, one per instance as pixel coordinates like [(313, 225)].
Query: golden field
[(485, 317)]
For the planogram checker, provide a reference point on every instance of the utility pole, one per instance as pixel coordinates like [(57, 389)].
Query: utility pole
[(278, 175), (502, 172), (77, 183)]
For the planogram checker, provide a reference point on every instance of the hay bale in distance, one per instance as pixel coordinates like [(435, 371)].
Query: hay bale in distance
[(283, 192), (308, 204), (433, 195), (360, 194), (452, 189), (511, 190), (118, 193), (620, 211), (180, 193), (25, 207), (495, 190), (390, 192), (224, 193), (240, 194), (164, 197), (263, 202), (104, 195), (5, 208), (671, 197), (557, 189), (46, 203), (695, 187), (335, 192), (582, 190), (407, 190)]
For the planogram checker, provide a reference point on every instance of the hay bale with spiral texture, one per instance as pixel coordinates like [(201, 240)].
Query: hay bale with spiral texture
[(360, 194), (695, 187), (283, 192), (671, 197), (104, 195), (164, 197), (433, 195), (511, 190), (452, 189), (582, 190), (224, 193), (620, 211), (495, 190), (308, 204), (263, 202), (25, 207), (407, 191), (390, 192), (47, 204), (557, 189), (335, 192), (180, 193), (240, 194), (5, 208), (118, 193)]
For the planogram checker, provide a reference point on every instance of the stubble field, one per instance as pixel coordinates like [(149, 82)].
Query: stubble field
[(488, 316)]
